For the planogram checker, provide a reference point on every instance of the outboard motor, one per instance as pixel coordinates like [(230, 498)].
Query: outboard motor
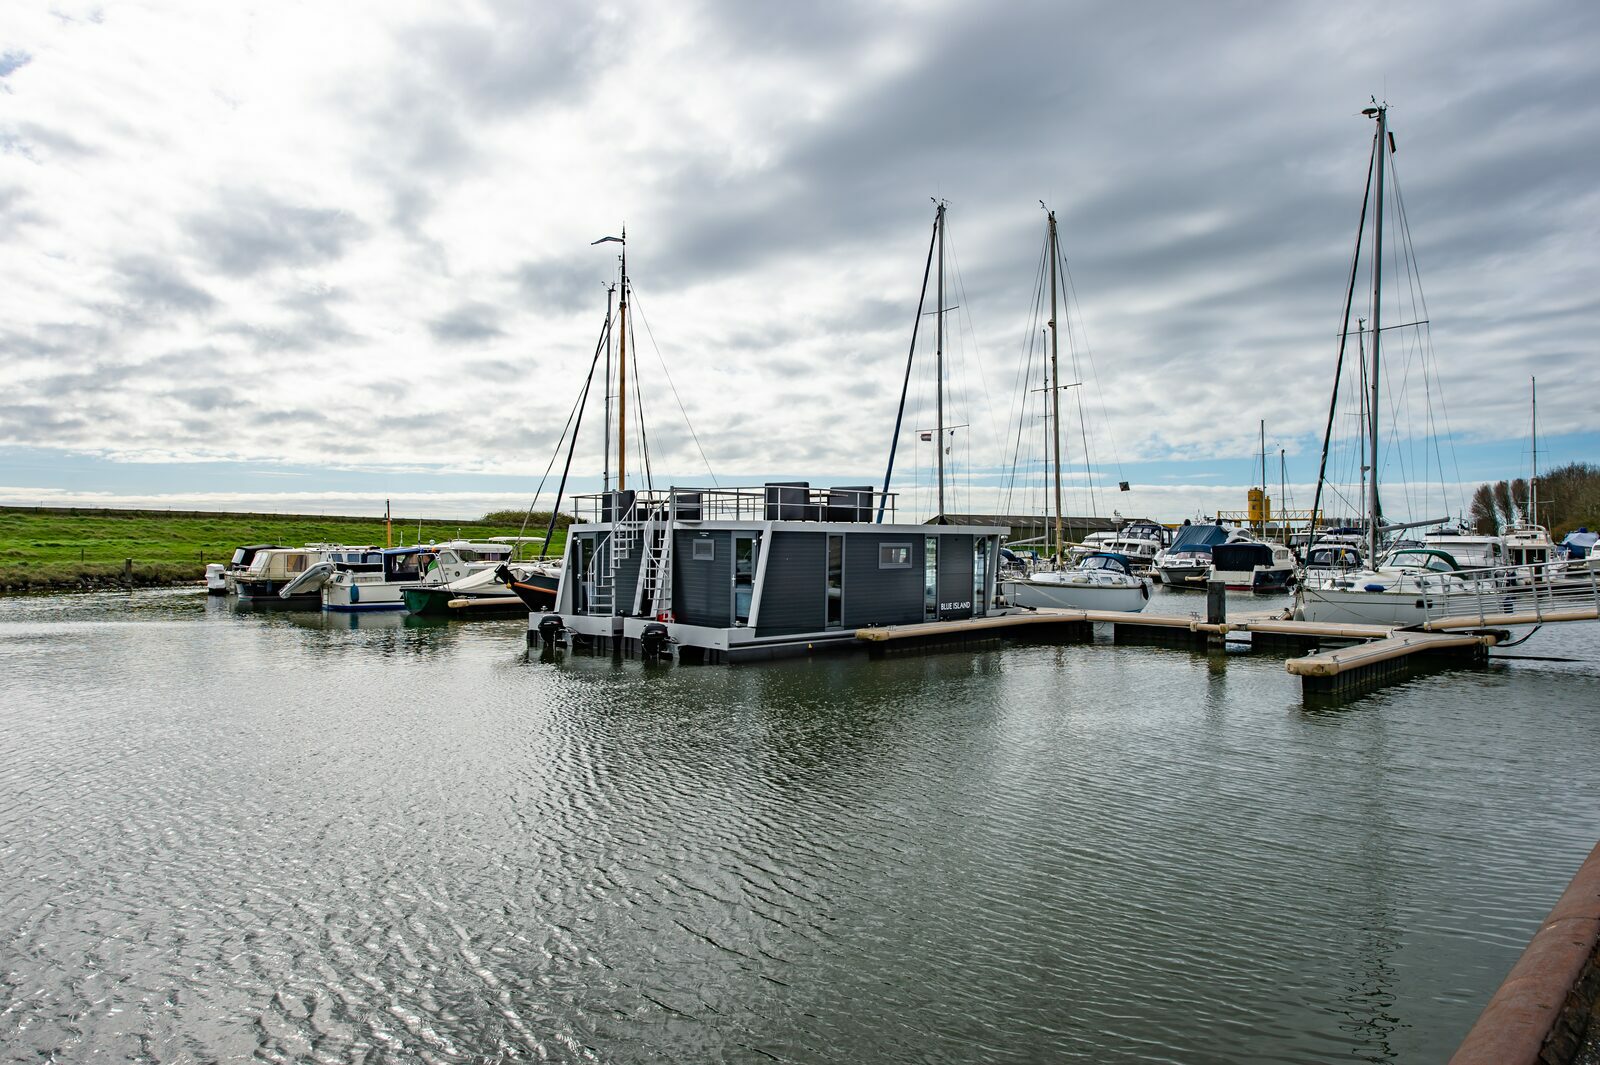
[(653, 640), (550, 626)]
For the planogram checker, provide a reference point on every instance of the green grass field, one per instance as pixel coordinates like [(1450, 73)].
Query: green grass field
[(44, 549)]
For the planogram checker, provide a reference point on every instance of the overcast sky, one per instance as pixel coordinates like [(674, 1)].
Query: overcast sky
[(304, 255)]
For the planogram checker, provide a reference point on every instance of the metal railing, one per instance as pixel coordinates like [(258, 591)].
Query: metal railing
[(763, 503), (1552, 591)]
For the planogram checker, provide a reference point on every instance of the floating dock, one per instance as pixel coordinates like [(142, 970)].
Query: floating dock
[(1382, 653)]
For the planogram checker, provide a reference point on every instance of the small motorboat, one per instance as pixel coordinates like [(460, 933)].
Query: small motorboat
[(1102, 581)]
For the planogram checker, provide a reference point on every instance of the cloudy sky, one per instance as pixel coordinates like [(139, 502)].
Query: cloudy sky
[(303, 256)]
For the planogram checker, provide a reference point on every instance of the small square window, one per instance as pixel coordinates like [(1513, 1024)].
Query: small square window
[(894, 556), (705, 550)]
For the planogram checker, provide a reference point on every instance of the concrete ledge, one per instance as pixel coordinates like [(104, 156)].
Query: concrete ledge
[(1542, 1012)]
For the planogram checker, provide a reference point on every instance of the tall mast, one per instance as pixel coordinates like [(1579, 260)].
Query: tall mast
[(622, 371), (1361, 393), (1381, 113), (1283, 494), (1055, 380), (1533, 484), (1263, 478), (605, 483), (939, 360)]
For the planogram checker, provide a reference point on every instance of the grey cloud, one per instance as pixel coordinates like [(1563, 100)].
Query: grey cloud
[(523, 54), (154, 285), (248, 232), (208, 398), (467, 323), (562, 285)]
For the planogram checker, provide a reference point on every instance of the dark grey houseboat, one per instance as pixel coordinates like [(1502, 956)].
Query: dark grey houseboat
[(734, 574)]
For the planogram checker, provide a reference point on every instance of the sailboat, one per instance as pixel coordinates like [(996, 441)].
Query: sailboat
[(1394, 588), (1101, 580)]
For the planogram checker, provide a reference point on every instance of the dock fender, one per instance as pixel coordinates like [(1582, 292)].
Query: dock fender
[(1144, 590)]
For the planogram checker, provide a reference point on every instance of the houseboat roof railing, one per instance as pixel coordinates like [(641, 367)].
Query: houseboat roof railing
[(770, 502)]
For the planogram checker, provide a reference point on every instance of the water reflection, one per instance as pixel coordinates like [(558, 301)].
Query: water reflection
[(288, 834)]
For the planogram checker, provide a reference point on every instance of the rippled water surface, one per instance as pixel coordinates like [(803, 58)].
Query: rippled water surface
[(292, 837)]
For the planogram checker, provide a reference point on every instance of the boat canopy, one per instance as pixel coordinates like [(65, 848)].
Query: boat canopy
[(1106, 560), (1208, 535), (1246, 555), (1423, 558)]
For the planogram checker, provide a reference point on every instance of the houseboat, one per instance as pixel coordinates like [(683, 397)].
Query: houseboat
[(738, 574)]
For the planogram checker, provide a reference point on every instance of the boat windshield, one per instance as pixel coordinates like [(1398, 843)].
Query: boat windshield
[(1420, 560), (1106, 562)]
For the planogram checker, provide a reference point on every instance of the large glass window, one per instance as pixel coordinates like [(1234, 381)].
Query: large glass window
[(746, 553), (930, 578)]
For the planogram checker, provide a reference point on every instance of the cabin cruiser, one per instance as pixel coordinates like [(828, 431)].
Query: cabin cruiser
[(1101, 581), (271, 569), (382, 588), (1140, 542), (1470, 550), (242, 557), (1093, 543), (1248, 564), (1530, 551), (1187, 562)]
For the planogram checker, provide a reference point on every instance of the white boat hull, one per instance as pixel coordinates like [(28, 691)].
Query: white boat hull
[(1074, 596), (1355, 607)]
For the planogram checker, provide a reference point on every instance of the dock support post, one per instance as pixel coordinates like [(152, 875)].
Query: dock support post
[(1216, 607)]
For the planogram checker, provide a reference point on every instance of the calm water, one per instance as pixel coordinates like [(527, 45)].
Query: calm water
[(298, 838)]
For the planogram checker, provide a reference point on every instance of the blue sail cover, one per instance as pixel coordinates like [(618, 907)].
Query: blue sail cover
[(1209, 535)]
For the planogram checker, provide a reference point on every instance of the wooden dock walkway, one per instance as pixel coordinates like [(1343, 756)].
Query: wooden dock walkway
[(1382, 653)]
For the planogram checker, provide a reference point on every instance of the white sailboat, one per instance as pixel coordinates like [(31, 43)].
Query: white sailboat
[(1395, 587), (1103, 580)]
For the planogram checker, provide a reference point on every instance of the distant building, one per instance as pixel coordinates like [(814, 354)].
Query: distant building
[(1034, 526)]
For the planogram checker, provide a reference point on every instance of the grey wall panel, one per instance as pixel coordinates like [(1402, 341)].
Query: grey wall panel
[(794, 598), (955, 576), (874, 596), (702, 590)]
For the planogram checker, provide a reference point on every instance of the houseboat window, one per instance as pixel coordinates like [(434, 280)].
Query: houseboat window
[(980, 575), (704, 550), (745, 553), (835, 581), (894, 556), (930, 578)]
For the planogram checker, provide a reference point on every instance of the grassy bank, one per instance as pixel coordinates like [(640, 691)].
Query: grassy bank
[(44, 549)]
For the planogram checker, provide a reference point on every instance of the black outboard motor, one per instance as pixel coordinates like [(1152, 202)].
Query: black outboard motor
[(550, 626), (653, 640)]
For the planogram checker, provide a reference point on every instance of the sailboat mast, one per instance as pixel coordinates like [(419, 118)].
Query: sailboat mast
[(605, 483), (1533, 483), (939, 363), (1381, 112), (1055, 379), (622, 372)]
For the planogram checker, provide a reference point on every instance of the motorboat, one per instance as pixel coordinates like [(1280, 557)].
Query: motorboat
[(402, 567), (1140, 542), (1102, 581), (1251, 565), (216, 579), (487, 591), (1186, 563)]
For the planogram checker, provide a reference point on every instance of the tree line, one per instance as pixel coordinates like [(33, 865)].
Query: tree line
[(1569, 498)]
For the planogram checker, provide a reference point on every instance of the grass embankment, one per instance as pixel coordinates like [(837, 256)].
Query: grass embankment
[(44, 549)]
